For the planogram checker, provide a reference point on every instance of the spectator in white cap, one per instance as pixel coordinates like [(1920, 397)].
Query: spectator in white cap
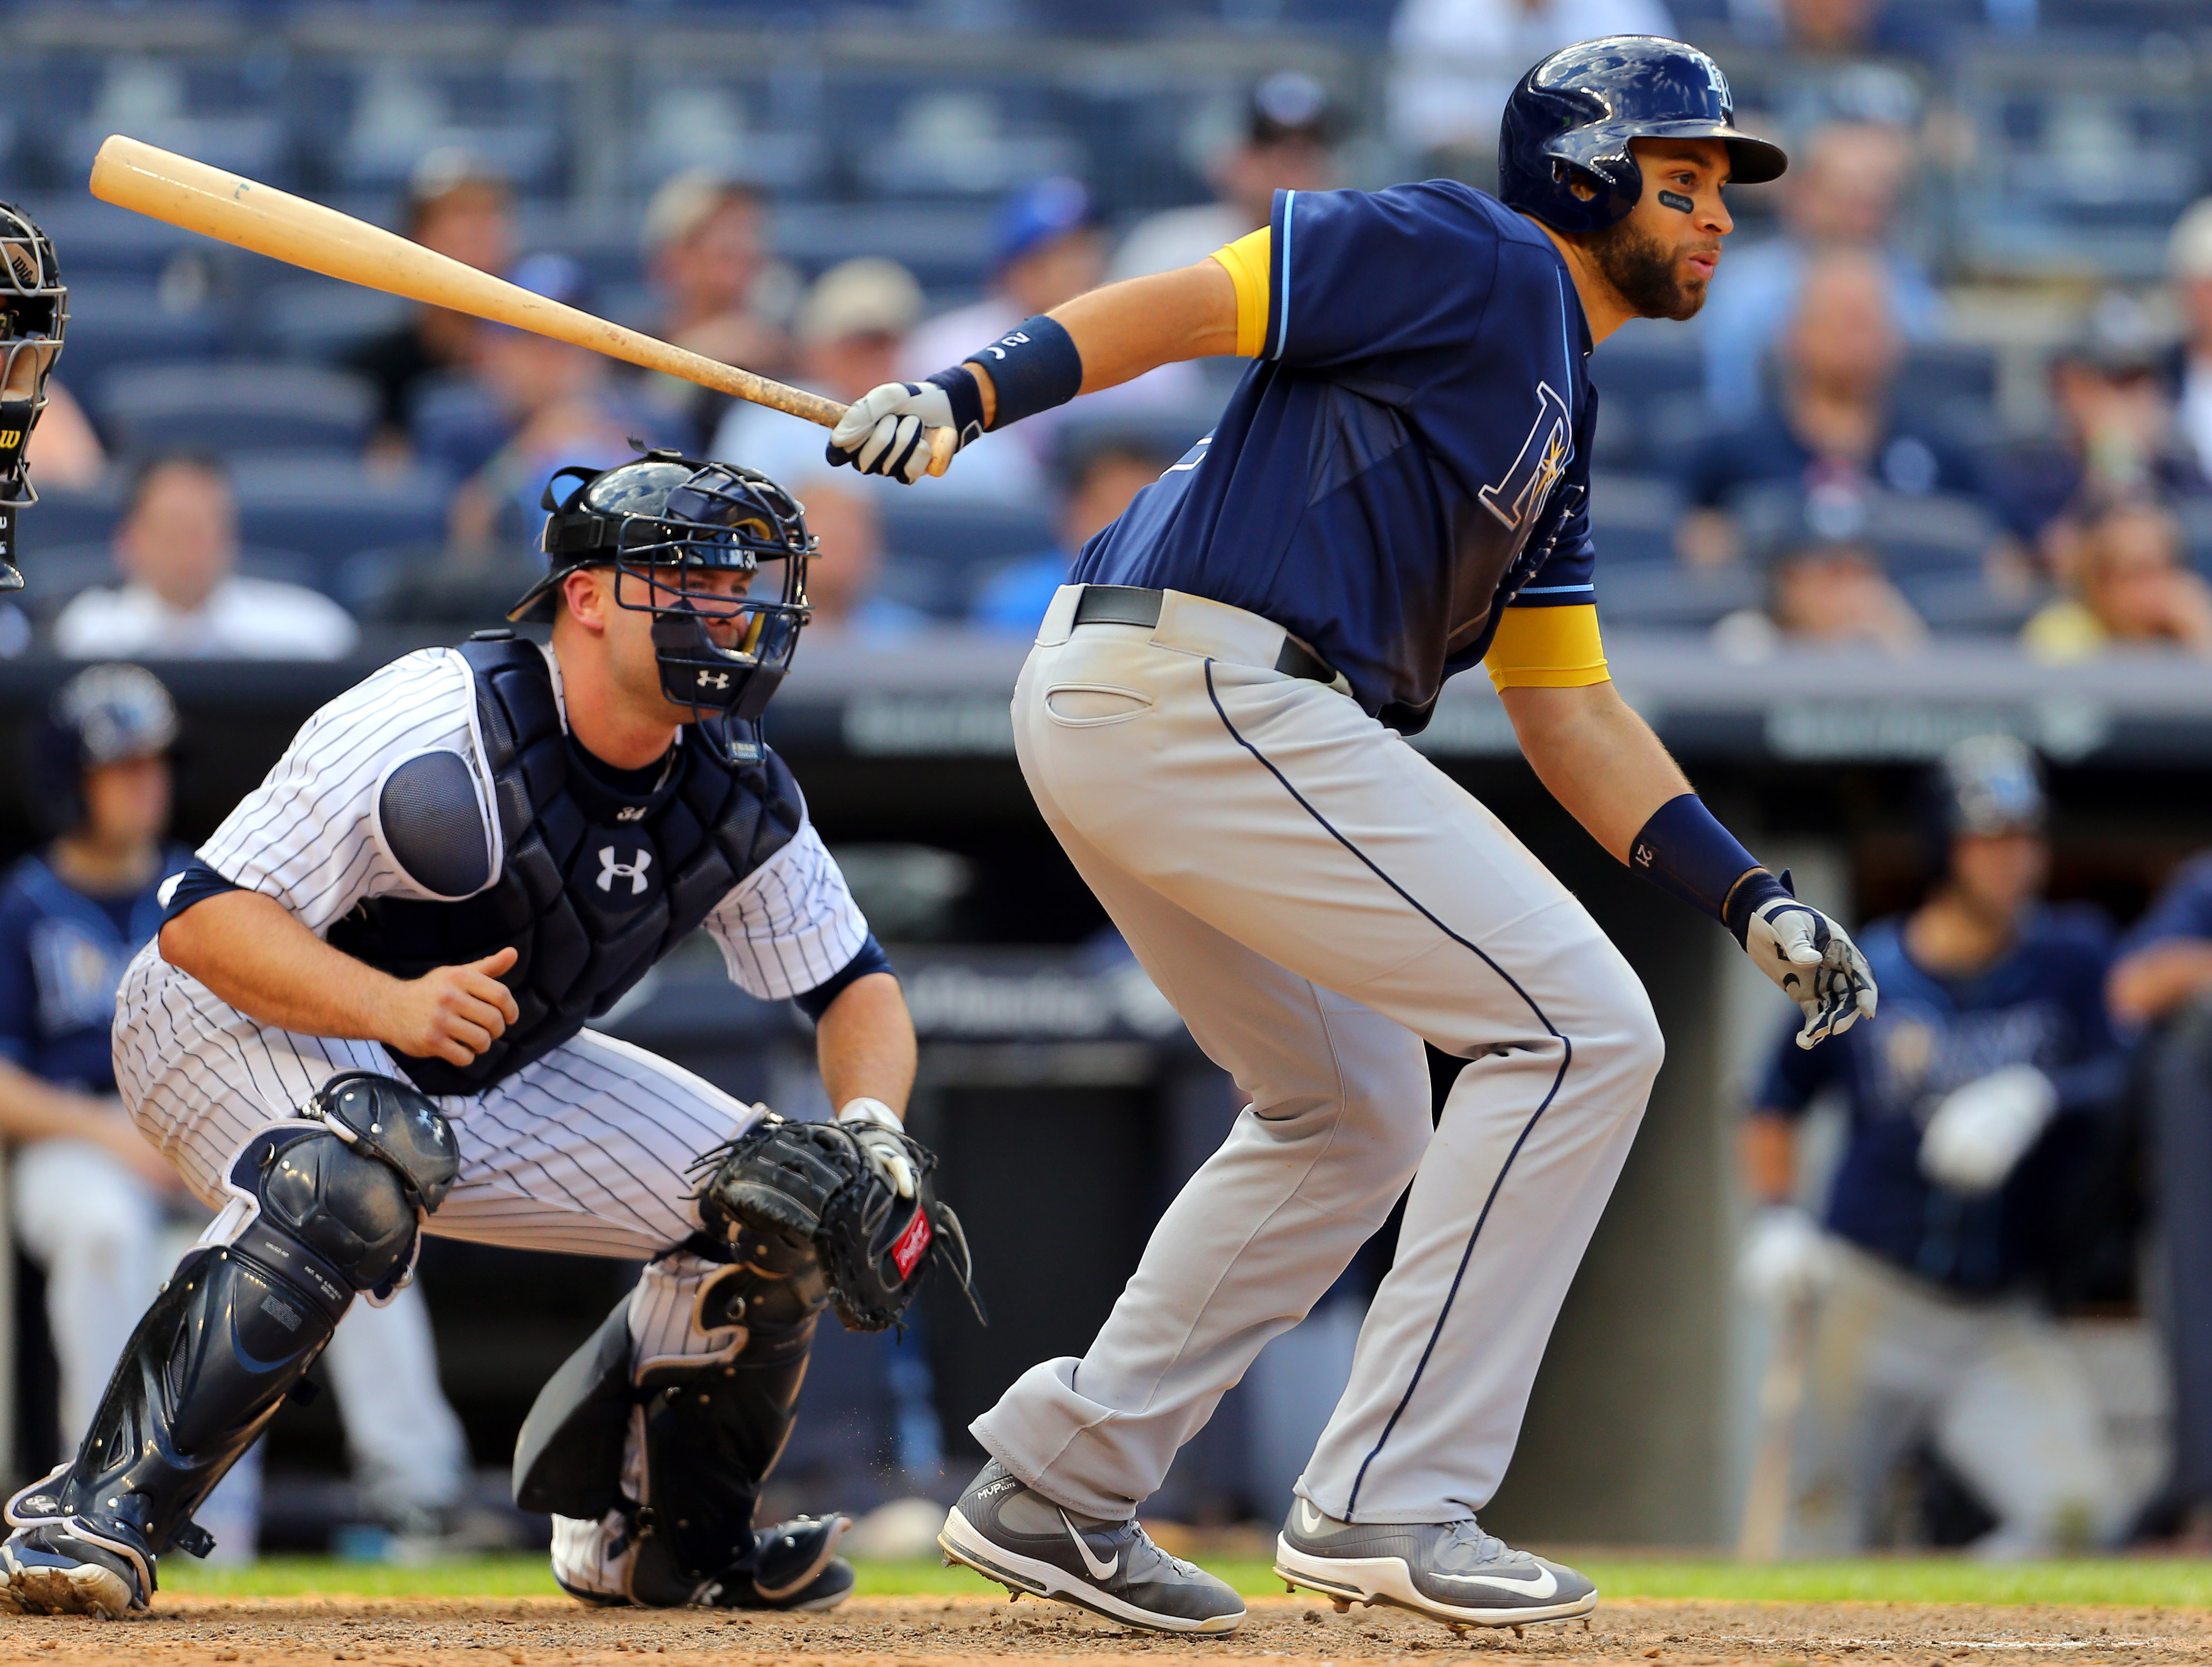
[(2189, 256), (849, 333)]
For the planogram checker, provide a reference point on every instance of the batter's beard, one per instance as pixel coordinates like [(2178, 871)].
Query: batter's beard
[(1643, 270)]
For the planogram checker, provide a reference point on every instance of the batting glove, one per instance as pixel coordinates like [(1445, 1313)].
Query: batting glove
[(886, 430), (875, 1127), (1813, 961), (1786, 1259), (1981, 1130)]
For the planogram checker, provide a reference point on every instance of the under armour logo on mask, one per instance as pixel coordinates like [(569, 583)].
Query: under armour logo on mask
[(713, 679), (613, 868)]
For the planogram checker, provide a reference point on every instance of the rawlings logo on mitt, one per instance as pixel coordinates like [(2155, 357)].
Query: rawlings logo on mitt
[(811, 1182)]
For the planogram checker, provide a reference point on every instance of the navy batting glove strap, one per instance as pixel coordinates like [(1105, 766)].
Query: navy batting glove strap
[(1034, 367), (1686, 853), (966, 395)]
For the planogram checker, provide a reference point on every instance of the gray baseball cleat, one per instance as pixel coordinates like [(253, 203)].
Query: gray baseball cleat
[(1451, 1571), (1008, 1533)]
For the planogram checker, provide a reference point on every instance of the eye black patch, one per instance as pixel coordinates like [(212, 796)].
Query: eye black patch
[(1674, 199)]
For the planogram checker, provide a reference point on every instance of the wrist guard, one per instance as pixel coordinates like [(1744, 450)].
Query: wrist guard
[(966, 398), (1686, 853), (1034, 367)]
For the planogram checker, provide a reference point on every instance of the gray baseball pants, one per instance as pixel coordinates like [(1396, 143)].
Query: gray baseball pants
[(1316, 898)]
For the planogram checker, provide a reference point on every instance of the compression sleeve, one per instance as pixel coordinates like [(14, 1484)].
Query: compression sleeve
[(870, 957), (1546, 648), (1247, 261)]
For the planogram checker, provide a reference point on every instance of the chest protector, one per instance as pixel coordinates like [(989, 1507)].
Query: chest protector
[(594, 885)]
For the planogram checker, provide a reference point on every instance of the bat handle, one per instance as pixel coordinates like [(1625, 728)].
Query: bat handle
[(940, 450)]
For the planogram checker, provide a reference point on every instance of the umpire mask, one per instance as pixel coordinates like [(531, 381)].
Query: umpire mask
[(715, 552)]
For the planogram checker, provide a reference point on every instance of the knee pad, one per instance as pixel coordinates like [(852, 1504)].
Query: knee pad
[(347, 1208), (353, 1190)]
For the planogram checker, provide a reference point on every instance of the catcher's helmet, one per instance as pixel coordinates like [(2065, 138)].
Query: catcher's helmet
[(1572, 117), (665, 523), (102, 715), (34, 315)]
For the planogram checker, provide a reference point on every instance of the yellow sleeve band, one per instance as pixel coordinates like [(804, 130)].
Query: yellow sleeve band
[(1546, 648), (1247, 261)]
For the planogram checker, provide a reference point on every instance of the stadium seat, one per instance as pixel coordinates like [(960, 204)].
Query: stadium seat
[(1934, 533), (120, 320), (235, 407), (935, 550), (1667, 595), (326, 508), (1633, 519), (62, 517), (319, 317)]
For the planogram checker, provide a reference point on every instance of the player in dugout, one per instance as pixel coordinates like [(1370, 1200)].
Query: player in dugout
[(91, 1196), (365, 1017), (1991, 1048), (1213, 723)]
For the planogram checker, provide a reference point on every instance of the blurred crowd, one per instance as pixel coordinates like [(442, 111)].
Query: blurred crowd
[(1858, 444)]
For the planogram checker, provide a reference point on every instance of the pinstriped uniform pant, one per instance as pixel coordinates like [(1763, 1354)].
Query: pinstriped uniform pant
[(1316, 898), (585, 1151)]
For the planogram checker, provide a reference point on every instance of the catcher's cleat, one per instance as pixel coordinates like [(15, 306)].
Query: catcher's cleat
[(1015, 1535), (1452, 1572), (50, 1568)]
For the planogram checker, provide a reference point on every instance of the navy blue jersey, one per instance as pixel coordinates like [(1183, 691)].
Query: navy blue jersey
[(2183, 910), (62, 954), (1409, 453), (2043, 1004)]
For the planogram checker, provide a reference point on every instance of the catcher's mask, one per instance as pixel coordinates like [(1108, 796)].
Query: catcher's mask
[(34, 315), (697, 545)]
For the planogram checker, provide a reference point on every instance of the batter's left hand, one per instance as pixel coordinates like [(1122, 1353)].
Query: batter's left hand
[(1814, 962)]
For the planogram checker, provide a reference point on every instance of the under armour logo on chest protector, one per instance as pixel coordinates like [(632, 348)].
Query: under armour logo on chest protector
[(615, 871)]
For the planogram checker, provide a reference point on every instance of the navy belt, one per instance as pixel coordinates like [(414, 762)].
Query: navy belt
[(1135, 604)]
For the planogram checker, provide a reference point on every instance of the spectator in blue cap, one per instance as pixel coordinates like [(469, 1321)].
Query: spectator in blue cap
[(1050, 249)]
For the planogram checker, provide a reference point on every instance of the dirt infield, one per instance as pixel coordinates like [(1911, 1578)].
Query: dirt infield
[(186, 1631)]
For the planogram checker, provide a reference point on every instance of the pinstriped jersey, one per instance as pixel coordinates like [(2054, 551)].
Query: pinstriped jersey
[(1408, 455), (312, 835)]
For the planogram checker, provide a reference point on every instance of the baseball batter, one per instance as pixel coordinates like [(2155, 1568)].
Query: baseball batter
[(364, 1018), (1212, 721)]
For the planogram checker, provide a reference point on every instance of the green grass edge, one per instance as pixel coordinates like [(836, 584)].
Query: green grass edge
[(2107, 1581)]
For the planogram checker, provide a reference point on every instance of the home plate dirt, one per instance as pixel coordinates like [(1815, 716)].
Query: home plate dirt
[(186, 1631)]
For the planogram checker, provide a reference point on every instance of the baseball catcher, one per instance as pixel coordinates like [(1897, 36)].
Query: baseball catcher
[(365, 1018), (33, 315)]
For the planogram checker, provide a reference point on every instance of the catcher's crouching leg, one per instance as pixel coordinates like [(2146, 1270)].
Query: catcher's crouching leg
[(340, 1197), (649, 1445)]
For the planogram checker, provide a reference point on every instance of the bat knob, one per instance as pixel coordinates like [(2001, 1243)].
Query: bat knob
[(940, 450)]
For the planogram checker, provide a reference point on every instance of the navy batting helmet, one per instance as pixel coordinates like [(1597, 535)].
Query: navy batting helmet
[(1572, 117), (102, 715), (664, 522), (1983, 785)]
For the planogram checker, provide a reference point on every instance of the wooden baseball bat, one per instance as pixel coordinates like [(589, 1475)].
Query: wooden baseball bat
[(164, 186)]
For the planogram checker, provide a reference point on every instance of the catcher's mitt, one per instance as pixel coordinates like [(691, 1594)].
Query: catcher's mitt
[(811, 1183)]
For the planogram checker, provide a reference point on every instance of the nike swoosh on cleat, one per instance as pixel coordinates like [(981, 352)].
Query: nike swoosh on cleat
[(1098, 1571), (1543, 1585), (1310, 1521)]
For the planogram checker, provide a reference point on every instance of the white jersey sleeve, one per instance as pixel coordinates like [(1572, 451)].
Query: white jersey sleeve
[(791, 924), (308, 836)]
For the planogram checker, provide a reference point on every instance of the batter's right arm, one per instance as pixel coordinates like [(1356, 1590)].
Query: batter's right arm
[(1098, 340), (252, 952)]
